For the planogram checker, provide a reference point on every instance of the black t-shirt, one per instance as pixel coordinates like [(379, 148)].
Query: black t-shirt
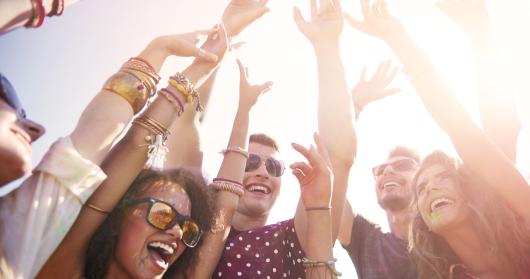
[(378, 255)]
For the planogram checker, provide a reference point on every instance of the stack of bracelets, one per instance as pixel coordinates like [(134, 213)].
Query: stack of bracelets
[(136, 82), (38, 12), (330, 265), (157, 146), (234, 187), (184, 86)]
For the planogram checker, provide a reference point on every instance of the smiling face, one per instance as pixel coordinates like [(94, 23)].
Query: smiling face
[(440, 198), (393, 182), (143, 251), (261, 188), (16, 136)]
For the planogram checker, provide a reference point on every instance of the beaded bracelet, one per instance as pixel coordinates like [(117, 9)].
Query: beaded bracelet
[(330, 264), (235, 149), (228, 186), (228, 180)]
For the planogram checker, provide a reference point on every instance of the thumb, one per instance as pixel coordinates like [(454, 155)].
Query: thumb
[(298, 18), (299, 176), (353, 22)]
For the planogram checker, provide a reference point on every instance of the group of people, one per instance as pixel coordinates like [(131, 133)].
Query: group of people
[(100, 205)]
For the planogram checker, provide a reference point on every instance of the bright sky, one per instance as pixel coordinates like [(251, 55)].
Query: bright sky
[(58, 68)]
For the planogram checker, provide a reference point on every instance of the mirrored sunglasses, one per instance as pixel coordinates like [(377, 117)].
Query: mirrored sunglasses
[(163, 216), (274, 167)]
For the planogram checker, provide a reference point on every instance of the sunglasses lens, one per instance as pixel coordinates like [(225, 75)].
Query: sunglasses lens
[(161, 215), (9, 95), (275, 167), (403, 165), (253, 162), (191, 233)]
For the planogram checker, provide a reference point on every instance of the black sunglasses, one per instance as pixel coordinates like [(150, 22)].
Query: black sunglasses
[(404, 164), (274, 167), (9, 95), (163, 216)]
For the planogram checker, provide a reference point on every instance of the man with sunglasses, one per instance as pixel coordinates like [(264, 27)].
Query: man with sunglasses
[(254, 249), (17, 133), (378, 255)]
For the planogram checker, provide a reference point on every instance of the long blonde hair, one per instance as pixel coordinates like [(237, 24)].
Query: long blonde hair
[(496, 224)]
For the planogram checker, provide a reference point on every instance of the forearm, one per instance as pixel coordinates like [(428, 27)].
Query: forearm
[(335, 124), (108, 114), (16, 13), (497, 107), (479, 153), (319, 245), (233, 169)]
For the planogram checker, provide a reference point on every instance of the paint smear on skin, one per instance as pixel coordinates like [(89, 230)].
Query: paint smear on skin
[(135, 255), (436, 193), (435, 217)]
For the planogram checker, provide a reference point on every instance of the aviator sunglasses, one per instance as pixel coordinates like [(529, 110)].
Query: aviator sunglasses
[(404, 164), (163, 216), (274, 167)]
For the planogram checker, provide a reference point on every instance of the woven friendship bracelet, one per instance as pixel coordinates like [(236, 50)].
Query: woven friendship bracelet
[(173, 100), (330, 264)]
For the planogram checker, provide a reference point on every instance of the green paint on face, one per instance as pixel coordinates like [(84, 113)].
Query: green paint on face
[(135, 255), (435, 217), (436, 193)]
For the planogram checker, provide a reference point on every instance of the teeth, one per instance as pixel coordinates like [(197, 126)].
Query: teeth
[(439, 201), (391, 184), (258, 188), (166, 249)]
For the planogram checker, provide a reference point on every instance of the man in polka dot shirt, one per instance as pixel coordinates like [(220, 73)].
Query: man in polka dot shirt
[(254, 249)]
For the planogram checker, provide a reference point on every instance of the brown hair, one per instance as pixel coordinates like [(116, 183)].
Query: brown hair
[(264, 140), (496, 224), (103, 243), (403, 151)]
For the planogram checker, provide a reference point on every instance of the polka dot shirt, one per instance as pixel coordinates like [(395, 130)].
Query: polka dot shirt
[(268, 252)]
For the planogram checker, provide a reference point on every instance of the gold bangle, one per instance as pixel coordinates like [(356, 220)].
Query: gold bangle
[(95, 208), (317, 208), (148, 82), (235, 149), (129, 87)]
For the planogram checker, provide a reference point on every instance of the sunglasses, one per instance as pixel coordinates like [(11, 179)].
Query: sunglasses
[(163, 216), (274, 167), (398, 165), (9, 95)]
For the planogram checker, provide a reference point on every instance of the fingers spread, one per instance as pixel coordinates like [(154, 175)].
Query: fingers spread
[(298, 18), (242, 70), (353, 22)]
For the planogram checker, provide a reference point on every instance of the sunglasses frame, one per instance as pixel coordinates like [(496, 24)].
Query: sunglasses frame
[(268, 162), (179, 219), (9, 95), (377, 173)]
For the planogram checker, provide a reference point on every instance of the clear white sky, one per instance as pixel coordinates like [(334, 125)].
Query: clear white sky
[(58, 68)]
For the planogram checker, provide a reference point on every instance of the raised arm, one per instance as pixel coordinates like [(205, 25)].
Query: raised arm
[(122, 166), (363, 93), (315, 178), (237, 16), (230, 177), (481, 155), (335, 117), (495, 100), (98, 125)]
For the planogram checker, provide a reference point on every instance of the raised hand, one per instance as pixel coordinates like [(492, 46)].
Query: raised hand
[(470, 15), (186, 44), (241, 13), (248, 93), (367, 91), (377, 22), (217, 43), (325, 23), (315, 177)]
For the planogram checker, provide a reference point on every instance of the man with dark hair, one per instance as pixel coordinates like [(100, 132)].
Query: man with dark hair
[(376, 254), (16, 135)]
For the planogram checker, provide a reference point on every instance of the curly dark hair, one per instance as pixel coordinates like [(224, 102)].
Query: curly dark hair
[(496, 224), (103, 243)]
